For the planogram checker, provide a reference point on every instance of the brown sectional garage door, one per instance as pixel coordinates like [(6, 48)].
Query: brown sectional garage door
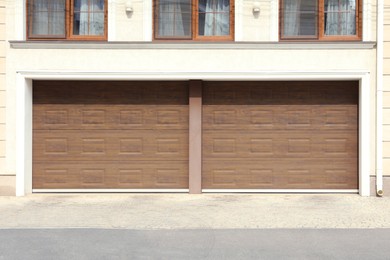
[(280, 135), (110, 135)]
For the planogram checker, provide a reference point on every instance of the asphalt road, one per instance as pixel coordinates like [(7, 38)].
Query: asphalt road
[(195, 244)]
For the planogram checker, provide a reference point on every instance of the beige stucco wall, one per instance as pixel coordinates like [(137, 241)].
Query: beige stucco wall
[(386, 92), (2, 86), (132, 28)]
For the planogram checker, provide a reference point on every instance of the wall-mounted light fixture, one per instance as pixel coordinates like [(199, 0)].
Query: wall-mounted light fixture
[(256, 8), (129, 6)]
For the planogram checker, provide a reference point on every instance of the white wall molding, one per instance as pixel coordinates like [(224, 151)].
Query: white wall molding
[(24, 106), (148, 20), (367, 17), (274, 21), (238, 20), (111, 26), (20, 19)]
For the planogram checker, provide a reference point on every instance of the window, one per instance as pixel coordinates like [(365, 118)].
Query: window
[(320, 19), (67, 19), (193, 19)]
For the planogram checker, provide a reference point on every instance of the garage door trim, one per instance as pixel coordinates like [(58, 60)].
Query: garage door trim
[(24, 108)]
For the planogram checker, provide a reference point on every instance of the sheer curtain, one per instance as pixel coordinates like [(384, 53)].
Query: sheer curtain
[(47, 17), (217, 17), (340, 18), (171, 22), (291, 19), (91, 17)]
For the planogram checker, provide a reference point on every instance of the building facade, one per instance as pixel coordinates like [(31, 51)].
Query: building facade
[(195, 96)]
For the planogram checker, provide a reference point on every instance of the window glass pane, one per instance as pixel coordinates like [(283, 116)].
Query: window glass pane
[(97, 5), (300, 18), (96, 25), (340, 17), (174, 18), (47, 18), (214, 17), (88, 17)]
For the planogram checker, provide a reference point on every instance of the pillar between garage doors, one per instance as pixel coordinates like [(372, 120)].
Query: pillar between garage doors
[(195, 136)]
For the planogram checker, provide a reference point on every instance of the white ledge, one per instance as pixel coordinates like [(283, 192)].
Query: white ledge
[(189, 45)]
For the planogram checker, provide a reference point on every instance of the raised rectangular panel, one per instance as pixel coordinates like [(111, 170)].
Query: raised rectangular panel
[(386, 99), (93, 117), (56, 175), (262, 176), (336, 176), (336, 117), (224, 145), (131, 146), (227, 96), (168, 117), (225, 117), (299, 177), (224, 177), (260, 94), (131, 176), (56, 117), (93, 145), (298, 94), (261, 145), (56, 146), (168, 146), (337, 145), (299, 117), (167, 176), (92, 176), (299, 145), (131, 117), (262, 117)]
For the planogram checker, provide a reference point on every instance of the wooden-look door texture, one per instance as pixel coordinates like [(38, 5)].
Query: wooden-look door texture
[(110, 135), (280, 135)]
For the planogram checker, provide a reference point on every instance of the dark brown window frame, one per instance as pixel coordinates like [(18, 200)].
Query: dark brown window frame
[(320, 26), (194, 26), (69, 18)]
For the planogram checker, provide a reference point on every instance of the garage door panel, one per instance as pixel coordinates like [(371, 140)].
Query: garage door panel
[(94, 117), (111, 92), (280, 135), (280, 93), (271, 117), (119, 175), (110, 135), (272, 174), (268, 144), (110, 145)]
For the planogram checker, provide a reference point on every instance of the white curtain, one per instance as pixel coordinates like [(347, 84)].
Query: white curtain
[(47, 17), (170, 22), (91, 19), (291, 18), (217, 17), (340, 17)]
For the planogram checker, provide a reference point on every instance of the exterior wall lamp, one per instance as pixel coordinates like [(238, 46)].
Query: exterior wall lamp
[(129, 6)]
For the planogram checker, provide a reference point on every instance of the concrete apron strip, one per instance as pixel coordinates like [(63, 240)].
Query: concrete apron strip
[(206, 211)]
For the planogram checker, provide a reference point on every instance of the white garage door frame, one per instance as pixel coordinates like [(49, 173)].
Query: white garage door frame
[(24, 107)]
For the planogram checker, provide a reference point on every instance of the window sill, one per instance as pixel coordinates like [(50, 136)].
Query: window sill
[(192, 45)]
